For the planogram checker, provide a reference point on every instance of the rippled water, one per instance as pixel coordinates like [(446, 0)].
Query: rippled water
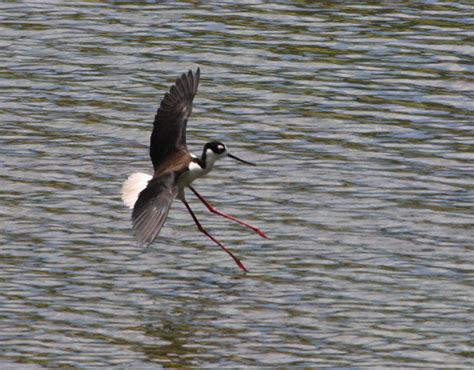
[(360, 117)]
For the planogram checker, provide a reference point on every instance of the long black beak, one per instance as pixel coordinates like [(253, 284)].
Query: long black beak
[(240, 160)]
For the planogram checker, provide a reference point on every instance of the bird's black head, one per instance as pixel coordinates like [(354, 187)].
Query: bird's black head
[(214, 150), (215, 147)]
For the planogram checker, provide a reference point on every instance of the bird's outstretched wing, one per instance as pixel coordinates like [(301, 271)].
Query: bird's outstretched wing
[(169, 127), (152, 206)]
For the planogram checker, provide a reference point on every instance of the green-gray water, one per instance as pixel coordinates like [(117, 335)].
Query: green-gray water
[(360, 116)]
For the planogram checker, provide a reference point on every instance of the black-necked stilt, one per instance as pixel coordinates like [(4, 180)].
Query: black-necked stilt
[(175, 167)]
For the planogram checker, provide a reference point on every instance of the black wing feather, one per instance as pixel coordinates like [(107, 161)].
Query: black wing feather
[(169, 127), (152, 206)]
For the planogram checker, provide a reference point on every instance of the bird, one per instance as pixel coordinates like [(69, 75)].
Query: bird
[(175, 168)]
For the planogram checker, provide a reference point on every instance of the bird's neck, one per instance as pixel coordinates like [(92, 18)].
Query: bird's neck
[(207, 161), (206, 164)]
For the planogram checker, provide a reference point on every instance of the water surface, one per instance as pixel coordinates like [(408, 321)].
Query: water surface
[(360, 118)]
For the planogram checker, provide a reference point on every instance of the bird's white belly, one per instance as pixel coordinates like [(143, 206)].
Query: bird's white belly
[(195, 171)]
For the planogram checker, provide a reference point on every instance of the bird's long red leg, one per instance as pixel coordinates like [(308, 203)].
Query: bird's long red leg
[(211, 208), (201, 229)]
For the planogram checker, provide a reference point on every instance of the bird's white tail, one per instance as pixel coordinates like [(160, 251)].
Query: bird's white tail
[(133, 186)]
